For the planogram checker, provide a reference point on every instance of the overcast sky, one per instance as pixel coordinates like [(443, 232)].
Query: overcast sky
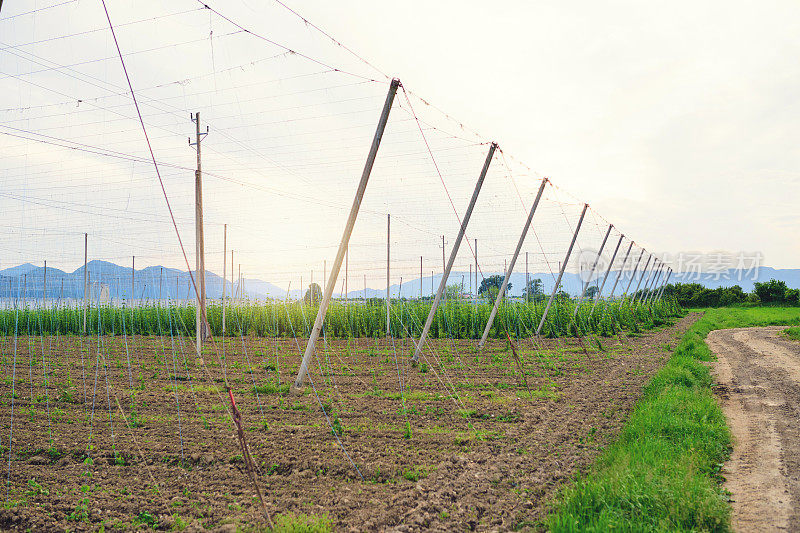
[(679, 120), (676, 121)]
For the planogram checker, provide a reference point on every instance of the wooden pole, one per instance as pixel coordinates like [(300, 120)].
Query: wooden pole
[(224, 271), (454, 251), (641, 276), (85, 279), (44, 291), (633, 274), (562, 266), (527, 281), (621, 270), (388, 258), (608, 271), (202, 334), (510, 267), (420, 277), (351, 220), (591, 272)]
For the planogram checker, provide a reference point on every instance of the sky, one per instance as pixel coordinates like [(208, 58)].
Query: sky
[(675, 121)]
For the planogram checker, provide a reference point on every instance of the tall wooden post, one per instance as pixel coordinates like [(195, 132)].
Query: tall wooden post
[(605, 277), (664, 285), (454, 251), (388, 259), (641, 277), (633, 274), (224, 271), (591, 272), (420, 277), (85, 279), (501, 293), (527, 280), (621, 270), (348, 230), (561, 268), (200, 269)]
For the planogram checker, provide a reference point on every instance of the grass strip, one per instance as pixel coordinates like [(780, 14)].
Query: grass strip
[(662, 473)]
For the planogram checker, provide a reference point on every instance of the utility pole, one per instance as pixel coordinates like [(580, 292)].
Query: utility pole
[(510, 268), (561, 268), (454, 251), (351, 220), (133, 278), (388, 258), (44, 292), (85, 279), (202, 334), (224, 271)]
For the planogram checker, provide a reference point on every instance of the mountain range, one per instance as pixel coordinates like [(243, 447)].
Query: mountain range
[(108, 280)]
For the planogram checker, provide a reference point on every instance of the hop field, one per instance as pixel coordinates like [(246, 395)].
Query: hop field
[(455, 319)]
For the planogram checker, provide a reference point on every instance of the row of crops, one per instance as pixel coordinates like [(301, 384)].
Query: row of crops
[(458, 319)]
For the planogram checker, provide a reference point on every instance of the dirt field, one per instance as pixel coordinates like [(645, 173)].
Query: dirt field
[(758, 371), (470, 446)]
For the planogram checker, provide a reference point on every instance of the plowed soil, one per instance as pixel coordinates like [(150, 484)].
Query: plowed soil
[(471, 444)]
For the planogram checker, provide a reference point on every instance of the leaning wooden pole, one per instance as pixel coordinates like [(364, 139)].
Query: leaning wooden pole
[(591, 272), (654, 284), (454, 252), (633, 274), (605, 277), (621, 270), (639, 297), (348, 230), (639, 283), (664, 285), (561, 271), (510, 269)]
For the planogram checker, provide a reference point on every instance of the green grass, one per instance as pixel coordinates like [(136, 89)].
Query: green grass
[(793, 333), (661, 475), (301, 523)]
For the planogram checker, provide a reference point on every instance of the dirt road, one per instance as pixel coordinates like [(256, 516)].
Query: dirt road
[(758, 371)]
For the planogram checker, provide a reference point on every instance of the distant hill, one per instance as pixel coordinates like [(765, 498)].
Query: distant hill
[(168, 283)]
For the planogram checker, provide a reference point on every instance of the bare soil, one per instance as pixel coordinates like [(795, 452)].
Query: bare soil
[(482, 453), (758, 371)]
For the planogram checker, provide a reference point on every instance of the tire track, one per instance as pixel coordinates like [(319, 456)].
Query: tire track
[(758, 372)]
